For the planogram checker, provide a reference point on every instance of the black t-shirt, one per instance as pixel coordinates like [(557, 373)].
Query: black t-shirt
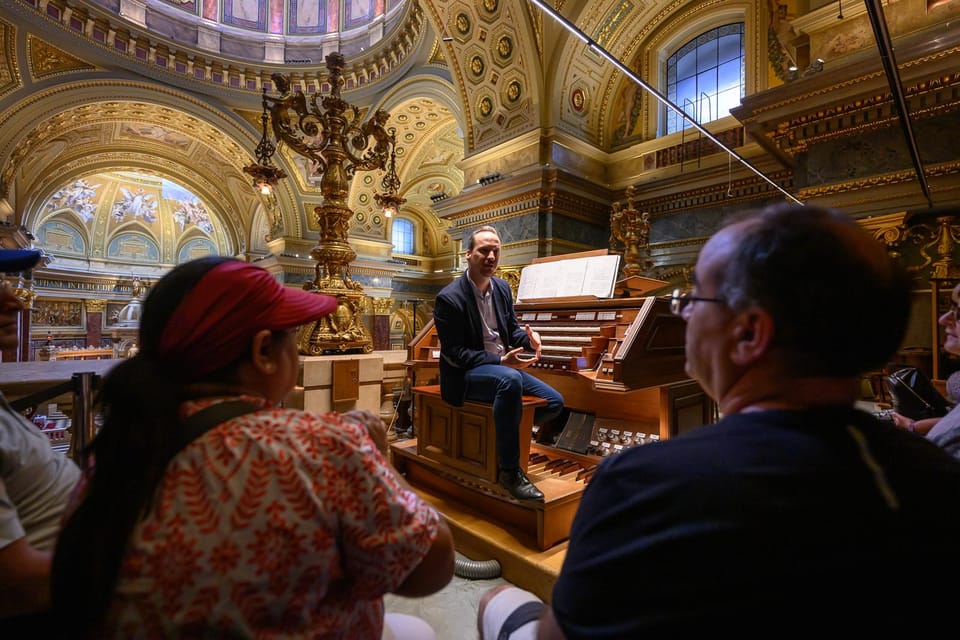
[(773, 523)]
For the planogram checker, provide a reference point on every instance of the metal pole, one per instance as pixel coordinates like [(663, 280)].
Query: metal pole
[(889, 62), (82, 425)]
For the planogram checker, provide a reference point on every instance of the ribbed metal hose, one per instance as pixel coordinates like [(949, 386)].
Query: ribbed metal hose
[(476, 569)]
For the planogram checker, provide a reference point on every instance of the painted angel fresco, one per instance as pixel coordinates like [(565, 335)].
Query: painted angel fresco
[(137, 204), (79, 196), (192, 212)]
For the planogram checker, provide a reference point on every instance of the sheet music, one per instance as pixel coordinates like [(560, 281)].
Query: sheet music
[(592, 276)]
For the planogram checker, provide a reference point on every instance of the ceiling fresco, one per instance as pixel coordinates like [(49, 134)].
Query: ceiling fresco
[(128, 217)]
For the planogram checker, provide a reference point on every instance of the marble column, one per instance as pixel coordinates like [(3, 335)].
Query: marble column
[(381, 323), (94, 309)]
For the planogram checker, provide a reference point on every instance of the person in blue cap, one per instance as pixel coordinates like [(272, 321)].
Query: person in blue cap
[(35, 486)]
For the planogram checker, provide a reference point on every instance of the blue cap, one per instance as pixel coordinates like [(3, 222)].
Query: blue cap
[(13, 260)]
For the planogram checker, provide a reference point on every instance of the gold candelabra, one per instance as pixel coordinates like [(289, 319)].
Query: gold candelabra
[(630, 232), (329, 132)]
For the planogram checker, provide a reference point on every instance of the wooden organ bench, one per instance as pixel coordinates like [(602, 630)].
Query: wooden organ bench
[(465, 438)]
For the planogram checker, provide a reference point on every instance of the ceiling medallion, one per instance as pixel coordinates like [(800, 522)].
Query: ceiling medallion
[(513, 91), (476, 66), (485, 107), (463, 24), (504, 47)]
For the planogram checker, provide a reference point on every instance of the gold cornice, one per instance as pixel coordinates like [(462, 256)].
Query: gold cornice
[(676, 244), (884, 180), (888, 229), (727, 193), (809, 97), (872, 113), (46, 60), (533, 201), (10, 79)]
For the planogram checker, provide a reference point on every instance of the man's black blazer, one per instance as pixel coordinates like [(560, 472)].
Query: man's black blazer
[(460, 330)]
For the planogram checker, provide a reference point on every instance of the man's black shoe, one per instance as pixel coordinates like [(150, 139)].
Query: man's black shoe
[(516, 482)]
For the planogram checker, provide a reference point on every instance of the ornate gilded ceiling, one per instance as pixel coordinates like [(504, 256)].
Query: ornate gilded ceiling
[(169, 92)]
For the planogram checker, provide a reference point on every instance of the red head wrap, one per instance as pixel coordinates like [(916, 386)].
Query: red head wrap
[(213, 325)]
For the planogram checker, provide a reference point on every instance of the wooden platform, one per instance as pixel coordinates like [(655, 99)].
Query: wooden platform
[(478, 538), (539, 525)]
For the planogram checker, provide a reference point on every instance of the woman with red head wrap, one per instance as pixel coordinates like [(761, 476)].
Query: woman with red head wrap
[(212, 511)]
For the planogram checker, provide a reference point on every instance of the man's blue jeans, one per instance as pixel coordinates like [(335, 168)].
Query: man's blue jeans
[(504, 387)]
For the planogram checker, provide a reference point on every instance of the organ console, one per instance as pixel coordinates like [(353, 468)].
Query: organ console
[(619, 365)]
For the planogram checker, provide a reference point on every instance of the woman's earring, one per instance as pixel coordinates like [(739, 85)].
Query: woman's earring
[(269, 367)]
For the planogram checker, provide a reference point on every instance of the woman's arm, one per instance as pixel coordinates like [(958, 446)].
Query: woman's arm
[(24, 579), (920, 427)]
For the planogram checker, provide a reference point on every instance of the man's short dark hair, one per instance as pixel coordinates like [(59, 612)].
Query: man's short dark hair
[(839, 302), (483, 229)]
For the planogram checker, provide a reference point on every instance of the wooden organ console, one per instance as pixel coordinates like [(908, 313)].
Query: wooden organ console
[(619, 364)]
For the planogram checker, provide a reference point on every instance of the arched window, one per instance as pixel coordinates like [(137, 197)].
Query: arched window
[(705, 77), (402, 236)]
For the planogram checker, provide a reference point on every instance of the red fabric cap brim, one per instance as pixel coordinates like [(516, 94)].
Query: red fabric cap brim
[(215, 322)]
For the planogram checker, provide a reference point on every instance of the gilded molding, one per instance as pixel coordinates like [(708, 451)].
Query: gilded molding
[(10, 79), (837, 86), (869, 114), (676, 244), (46, 60), (737, 192), (872, 182)]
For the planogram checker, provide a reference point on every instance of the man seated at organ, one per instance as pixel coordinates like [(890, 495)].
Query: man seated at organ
[(483, 354)]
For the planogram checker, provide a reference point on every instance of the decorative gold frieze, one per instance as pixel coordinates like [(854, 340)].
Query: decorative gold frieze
[(51, 313), (736, 192), (382, 306), (47, 60), (872, 182), (925, 99)]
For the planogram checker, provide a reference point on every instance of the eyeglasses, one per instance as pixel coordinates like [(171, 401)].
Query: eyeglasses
[(680, 298)]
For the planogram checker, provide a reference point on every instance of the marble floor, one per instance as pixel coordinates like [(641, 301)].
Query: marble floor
[(452, 612)]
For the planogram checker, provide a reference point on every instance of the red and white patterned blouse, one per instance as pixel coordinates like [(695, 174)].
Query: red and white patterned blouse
[(278, 523)]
